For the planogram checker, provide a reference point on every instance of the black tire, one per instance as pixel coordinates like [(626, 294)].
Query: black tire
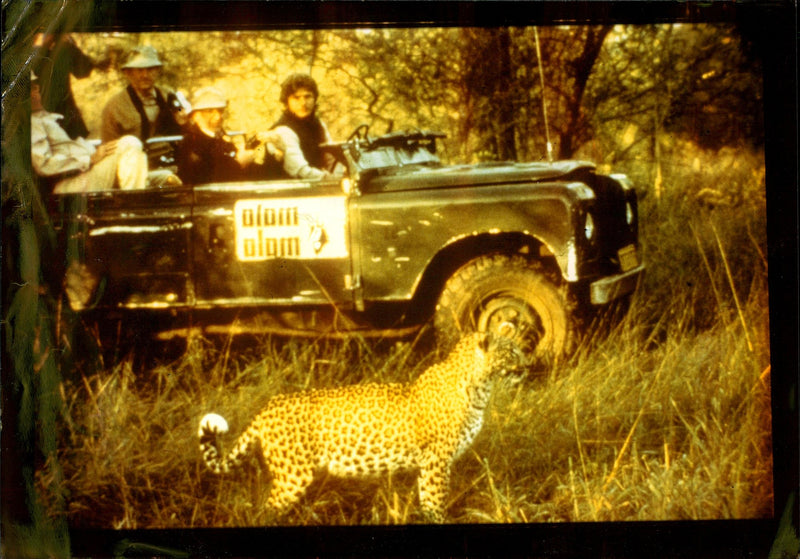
[(493, 289)]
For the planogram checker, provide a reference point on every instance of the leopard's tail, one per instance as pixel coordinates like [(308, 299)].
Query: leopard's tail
[(210, 426)]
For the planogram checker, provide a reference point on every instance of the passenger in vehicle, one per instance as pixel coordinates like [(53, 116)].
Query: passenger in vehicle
[(141, 109), (208, 154), (302, 131), (68, 165)]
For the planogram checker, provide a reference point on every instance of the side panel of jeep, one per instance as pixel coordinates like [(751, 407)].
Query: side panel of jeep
[(402, 232), (583, 224), (277, 244), (127, 250)]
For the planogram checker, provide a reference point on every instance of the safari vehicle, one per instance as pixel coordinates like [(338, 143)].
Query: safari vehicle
[(398, 242)]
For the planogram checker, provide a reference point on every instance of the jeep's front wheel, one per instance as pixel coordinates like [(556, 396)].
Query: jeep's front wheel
[(496, 289)]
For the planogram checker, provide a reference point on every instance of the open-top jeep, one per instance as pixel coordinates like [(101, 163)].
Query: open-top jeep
[(399, 241)]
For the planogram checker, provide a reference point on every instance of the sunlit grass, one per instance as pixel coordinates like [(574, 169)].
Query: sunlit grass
[(680, 431)]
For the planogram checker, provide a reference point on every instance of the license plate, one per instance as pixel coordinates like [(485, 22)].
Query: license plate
[(628, 259)]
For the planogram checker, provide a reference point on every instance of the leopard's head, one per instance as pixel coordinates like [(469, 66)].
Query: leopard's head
[(503, 356)]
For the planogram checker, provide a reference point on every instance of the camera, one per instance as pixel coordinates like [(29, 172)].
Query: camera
[(177, 102)]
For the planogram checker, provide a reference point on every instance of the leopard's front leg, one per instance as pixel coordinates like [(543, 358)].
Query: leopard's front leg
[(433, 482)]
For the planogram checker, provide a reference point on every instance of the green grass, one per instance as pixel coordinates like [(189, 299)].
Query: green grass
[(665, 418)]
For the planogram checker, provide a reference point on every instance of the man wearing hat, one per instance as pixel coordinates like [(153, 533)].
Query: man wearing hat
[(141, 109), (76, 165), (207, 154)]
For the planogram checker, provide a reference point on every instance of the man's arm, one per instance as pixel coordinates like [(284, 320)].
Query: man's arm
[(119, 118), (108, 128)]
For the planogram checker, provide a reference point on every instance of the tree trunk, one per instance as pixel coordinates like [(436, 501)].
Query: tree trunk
[(572, 134), (504, 95)]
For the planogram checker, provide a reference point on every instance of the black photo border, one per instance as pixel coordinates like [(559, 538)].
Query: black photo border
[(772, 27)]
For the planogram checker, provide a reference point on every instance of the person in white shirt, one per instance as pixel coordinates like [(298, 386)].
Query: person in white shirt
[(77, 165)]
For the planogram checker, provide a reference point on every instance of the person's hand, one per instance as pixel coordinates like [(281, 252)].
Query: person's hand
[(276, 153), (103, 151), (245, 156), (273, 143)]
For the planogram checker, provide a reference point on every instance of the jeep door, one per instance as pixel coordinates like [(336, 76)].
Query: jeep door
[(271, 244), (126, 249)]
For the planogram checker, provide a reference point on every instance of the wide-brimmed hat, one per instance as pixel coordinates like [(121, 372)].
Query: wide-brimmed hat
[(208, 98), (142, 57)]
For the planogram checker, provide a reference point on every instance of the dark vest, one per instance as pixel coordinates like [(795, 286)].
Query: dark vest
[(311, 134), (165, 123)]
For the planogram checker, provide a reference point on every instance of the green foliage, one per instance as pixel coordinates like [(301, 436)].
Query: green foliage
[(611, 88), (653, 84)]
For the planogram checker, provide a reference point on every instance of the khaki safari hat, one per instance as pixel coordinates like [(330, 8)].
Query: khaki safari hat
[(208, 98), (142, 57)]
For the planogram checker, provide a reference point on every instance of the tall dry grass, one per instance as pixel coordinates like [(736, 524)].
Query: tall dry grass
[(667, 417)]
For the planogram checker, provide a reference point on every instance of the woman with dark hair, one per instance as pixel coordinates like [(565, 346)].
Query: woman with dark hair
[(301, 130)]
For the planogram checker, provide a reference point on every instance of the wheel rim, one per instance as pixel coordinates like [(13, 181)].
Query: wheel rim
[(529, 330)]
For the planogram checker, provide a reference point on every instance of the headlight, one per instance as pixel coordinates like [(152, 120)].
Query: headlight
[(588, 227), (629, 213)]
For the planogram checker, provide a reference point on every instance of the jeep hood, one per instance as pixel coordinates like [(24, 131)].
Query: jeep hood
[(416, 177)]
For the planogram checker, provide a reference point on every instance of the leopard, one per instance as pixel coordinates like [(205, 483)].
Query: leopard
[(371, 429)]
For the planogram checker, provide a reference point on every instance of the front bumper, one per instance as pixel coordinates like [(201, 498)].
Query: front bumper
[(605, 290)]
